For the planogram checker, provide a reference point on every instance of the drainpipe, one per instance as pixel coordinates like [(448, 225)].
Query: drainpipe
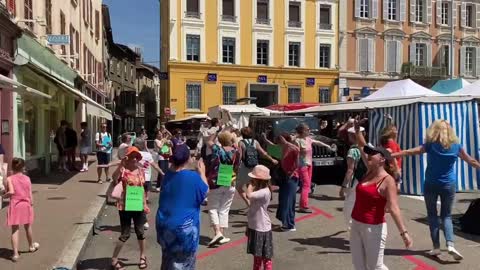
[(452, 39)]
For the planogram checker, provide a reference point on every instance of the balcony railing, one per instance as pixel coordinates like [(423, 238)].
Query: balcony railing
[(295, 24), (192, 14), (229, 18), (264, 21), (325, 26), (413, 71)]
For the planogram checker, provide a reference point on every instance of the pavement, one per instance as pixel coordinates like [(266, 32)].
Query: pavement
[(65, 207), (320, 242)]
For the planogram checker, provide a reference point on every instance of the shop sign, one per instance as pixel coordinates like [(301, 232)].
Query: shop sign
[(310, 81), (58, 39), (262, 78), (163, 76), (212, 77)]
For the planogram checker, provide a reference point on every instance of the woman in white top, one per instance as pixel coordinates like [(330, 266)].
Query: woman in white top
[(163, 150)]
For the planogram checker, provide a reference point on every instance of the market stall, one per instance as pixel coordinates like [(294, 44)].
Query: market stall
[(238, 114), (449, 86), (413, 116), (401, 89), (469, 90)]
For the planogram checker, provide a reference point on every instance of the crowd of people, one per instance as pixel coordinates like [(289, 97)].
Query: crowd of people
[(226, 162)]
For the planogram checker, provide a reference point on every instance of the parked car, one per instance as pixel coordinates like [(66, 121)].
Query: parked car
[(329, 166)]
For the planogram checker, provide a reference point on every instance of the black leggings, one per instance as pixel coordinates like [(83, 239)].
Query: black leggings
[(139, 219)]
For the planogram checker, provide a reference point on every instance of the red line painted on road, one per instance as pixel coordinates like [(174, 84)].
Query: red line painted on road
[(421, 265), (316, 212)]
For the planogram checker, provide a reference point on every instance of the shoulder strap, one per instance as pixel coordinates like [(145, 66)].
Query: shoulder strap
[(381, 181)]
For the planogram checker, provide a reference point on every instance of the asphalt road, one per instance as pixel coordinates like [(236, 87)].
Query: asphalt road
[(320, 241)]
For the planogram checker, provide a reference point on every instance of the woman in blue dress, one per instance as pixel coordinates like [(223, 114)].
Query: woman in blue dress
[(178, 215)]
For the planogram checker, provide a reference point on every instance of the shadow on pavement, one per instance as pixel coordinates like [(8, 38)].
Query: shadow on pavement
[(55, 177), (324, 198), (115, 228), (101, 264), (457, 228)]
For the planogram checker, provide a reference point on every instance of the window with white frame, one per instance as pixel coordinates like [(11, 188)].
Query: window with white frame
[(229, 94), (228, 50), (194, 94), (366, 56), (294, 54), (445, 15), (325, 17), (193, 9), (294, 14), (262, 12), (392, 10), (262, 52), (393, 56), (228, 10), (419, 10), (469, 15), (324, 53), (420, 54), (469, 61), (364, 8), (193, 48), (294, 94), (324, 95)]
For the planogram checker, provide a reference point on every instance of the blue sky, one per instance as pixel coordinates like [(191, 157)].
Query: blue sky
[(136, 23)]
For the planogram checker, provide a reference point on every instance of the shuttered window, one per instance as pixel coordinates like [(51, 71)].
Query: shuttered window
[(72, 46), (97, 25), (366, 57), (193, 48), (393, 56), (228, 7), (294, 12), (62, 29), (262, 10), (77, 50), (194, 92), (294, 94), (48, 16), (229, 94), (193, 6), (325, 17)]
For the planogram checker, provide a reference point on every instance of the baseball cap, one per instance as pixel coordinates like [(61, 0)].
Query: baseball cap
[(373, 150), (134, 152), (181, 154)]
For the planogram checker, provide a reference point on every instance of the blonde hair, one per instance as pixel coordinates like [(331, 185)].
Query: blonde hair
[(440, 131), (225, 138)]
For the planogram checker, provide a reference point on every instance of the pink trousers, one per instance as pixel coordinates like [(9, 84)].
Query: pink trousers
[(258, 261), (306, 178)]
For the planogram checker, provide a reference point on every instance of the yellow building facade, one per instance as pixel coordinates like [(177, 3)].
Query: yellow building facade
[(218, 51)]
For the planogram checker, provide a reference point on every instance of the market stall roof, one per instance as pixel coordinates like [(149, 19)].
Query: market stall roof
[(247, 109), (196, 116), (449, 86), (372, 104), (401, 89), (292, 106), (469, 90)]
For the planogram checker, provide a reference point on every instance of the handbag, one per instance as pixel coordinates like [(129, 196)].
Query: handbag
[(117, 191)]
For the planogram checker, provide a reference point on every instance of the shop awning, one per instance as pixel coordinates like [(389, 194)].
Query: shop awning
[(20, 88)]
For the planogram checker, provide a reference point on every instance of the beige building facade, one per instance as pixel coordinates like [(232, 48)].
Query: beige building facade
[(385, 40)]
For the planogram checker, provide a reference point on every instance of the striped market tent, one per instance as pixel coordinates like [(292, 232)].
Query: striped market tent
[(413, 120)]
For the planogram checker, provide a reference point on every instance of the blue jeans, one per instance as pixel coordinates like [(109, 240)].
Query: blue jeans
[(287, 201), (446, 191)]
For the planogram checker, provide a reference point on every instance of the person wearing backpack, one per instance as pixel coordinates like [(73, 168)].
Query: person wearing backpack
[(103, 140), (221, 194), (250, 150), (356, 169)]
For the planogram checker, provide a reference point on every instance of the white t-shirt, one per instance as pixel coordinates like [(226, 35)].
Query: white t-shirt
[(147, 158), (257, 217)]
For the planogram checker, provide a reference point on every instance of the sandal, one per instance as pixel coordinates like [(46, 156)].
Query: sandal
[(35, 246), (143, 263), (117, 266)]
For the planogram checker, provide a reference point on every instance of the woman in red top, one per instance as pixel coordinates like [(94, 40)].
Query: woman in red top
[(376, 193)]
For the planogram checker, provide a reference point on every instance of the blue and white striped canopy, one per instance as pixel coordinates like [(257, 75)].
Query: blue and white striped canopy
[(413, 120)]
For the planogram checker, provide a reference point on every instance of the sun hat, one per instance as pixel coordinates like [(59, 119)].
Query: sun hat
[(181, 154), (260, 172), (373, 150), (133, 151), (353, 131)]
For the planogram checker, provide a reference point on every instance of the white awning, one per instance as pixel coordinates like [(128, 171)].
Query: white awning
[(20, 88), (93, 108)]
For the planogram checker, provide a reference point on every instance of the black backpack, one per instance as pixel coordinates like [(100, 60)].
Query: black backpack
[(470, 221), (360, 169), (250, 156)]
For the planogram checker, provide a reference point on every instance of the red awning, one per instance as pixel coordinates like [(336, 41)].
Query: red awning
[(291, 106)]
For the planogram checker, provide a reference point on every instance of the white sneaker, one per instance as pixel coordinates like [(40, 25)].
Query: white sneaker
[(455, 254), (289, 230), (224, 241), (434, 252), (146, 226), (216, 240)]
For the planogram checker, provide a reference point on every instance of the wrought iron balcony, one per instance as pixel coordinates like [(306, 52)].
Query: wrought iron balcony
[(296, 24), (192, 14), (229, 18), (412, 71), (325, 26), (264, 21)]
